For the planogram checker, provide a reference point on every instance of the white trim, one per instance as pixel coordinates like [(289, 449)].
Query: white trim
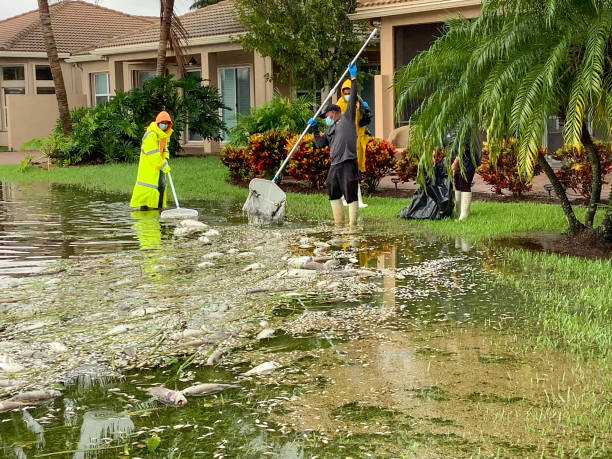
[(30, 54), (411, 8), (85, 58), (152, 46)]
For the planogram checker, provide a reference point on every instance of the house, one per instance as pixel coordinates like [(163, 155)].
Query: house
[(28, 107)]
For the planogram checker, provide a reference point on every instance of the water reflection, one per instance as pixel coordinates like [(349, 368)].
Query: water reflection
[(98, 427)]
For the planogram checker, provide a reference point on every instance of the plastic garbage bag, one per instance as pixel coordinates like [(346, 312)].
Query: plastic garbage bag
[(434, 201)]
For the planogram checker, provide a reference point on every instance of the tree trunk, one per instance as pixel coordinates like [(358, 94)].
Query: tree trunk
[(56, 69), (574, 226), (164, 32), (593, 156)]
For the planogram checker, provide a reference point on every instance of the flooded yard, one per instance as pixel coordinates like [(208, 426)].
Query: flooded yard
[(377, 343)]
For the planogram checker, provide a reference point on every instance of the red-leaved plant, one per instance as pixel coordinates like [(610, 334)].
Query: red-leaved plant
[(236, 160), (576, 172), (266, 152), (379, 162), (308, 163), (503, 175)]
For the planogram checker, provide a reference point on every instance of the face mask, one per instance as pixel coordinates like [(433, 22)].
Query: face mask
[(163, 126), (346, 97), (329, 121)]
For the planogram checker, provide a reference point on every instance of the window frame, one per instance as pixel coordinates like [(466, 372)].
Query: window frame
[(94, 94), (220, 69), (11, 84)]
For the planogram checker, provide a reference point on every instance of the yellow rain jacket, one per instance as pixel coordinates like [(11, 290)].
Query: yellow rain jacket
[(153, 161), (362, 137)]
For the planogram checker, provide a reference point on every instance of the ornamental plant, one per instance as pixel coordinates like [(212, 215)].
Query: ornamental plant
[(576, 172), (379, 161), (408, 166), (502, 174), (266, 152), (236, 160), (308, 163)]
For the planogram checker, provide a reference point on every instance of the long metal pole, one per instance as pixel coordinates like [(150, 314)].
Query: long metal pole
[(332, 92)]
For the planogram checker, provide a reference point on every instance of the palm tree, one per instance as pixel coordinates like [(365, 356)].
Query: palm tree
[(170, 31), (506, 73), (56, 69)]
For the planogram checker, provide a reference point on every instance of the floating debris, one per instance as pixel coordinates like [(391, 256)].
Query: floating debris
[(200, 390), (167, 396)]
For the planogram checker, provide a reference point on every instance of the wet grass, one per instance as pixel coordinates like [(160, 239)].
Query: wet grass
[(206, 179)]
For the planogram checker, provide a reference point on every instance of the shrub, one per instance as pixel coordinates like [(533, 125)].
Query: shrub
[(308, 163), (236, 160), (503, 173), (266, 152), (407, 166), (112, 132), (380, 161), (576, 172), (278, 114)]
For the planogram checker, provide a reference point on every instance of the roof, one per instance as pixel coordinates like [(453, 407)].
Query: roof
[(367, 3), (369, 9), (217, 19), (76, 24)]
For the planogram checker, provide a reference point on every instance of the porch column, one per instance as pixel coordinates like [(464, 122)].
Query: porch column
[(262, 70), (384, 94), (116, 76)]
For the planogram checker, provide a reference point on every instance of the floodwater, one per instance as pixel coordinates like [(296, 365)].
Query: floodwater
[(412, 347)]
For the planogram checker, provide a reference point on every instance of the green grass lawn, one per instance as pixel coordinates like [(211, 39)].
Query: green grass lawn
[(206, 179), (3, 148)]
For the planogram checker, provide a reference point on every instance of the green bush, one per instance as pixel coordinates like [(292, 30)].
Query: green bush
[(112, 132), (279, 114)]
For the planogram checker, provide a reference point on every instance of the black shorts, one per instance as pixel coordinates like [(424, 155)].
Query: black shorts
[(343, 180), (463, 183)]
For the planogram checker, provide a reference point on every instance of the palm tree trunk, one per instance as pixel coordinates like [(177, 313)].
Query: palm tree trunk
[(164, 32), (56, 69), (574, 226), (593, 156)]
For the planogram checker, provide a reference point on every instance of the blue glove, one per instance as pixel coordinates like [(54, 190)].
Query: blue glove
[(352, 69), (364, 104), (312, 122)]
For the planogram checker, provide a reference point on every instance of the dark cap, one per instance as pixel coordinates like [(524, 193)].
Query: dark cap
[(331, 108)]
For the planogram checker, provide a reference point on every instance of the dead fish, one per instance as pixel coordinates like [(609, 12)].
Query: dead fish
[(188, 333), (8, 365), (331, 264), (298, 262), (167, 396), (35, 396), (252, 267), (212, 233), (262, 369), (199, 390), (10, 382), (118, 330), (190, 223), (58, 347), (211, 255), (313, 265), (140, 312), (245, 254), (215, 357), (8, 405), (185, 232), (206, 264), (204, 240), (266, 333)]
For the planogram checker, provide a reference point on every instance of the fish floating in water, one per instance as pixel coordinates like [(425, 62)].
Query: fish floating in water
[(262, 369), (199, 390), (8, 405), (35, 396), (167, 396)]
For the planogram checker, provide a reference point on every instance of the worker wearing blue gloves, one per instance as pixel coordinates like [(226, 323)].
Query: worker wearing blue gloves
[(341, 137)]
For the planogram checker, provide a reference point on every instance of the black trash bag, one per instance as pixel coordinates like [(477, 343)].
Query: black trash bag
[(435, 201)]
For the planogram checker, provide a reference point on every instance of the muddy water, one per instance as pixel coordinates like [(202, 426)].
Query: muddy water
[(410, 348)]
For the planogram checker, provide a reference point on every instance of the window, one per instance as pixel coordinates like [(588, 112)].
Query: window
[(13, 73), (45, 90), (144, 75), (235, 88), (5, 92), (43, 73), (101, 88), (193, 136)]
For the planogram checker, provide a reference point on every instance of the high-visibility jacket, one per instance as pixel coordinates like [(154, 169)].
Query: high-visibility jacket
[(153, 161), (362, 137)]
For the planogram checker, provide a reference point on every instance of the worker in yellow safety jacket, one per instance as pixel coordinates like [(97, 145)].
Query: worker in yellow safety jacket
[(150, 189), (362, 135)]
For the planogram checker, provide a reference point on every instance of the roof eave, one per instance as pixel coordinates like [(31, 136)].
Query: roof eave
[(373, 12), (31, 54), (153, 45), (85, 58)]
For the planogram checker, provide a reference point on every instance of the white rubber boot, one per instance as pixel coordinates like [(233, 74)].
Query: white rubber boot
[(458, 203), (337, 211), (353, 213), (344, 203), (466, 200), (362, 204)]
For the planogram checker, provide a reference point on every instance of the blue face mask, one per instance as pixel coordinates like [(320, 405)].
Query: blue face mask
[(346, 97), (329, 121), (163, 126)]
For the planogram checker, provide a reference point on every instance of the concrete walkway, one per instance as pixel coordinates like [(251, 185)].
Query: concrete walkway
[(479, 187)]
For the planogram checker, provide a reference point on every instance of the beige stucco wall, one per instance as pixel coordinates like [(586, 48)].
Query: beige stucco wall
[(383, 83), (31, 116)]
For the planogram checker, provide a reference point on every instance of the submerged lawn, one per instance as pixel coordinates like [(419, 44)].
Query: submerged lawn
[(206, 179)]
